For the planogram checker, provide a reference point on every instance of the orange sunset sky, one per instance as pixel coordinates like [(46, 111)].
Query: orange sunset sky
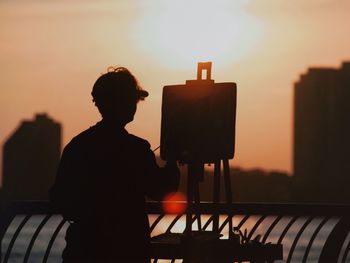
[(52, 51)]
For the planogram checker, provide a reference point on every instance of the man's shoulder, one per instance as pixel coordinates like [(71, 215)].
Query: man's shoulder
[(94, 134), (139, 141), (82, 138)]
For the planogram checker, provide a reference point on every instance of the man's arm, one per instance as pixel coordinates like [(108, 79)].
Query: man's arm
[(65, 193), (160, 181)]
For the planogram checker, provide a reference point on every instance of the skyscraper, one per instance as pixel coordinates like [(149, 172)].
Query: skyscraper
[(322, 133), (30, 159)]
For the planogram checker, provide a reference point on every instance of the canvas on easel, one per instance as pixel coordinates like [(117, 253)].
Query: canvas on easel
[(198, 119)]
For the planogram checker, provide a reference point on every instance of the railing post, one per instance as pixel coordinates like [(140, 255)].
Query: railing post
[(6, 217), (335, 241)]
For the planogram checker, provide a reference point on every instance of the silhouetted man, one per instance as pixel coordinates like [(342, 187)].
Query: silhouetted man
[(103, 178)]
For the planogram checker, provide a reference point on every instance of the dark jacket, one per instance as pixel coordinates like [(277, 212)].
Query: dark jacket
[(101, 184)]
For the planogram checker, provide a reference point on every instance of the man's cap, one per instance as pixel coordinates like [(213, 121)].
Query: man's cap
[(117, 83)]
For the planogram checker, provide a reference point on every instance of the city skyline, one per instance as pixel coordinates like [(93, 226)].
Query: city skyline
[(321, 133), (50, 65), (30, 159)]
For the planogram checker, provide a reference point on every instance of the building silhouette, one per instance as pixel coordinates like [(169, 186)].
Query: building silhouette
[(322, 134), (30, 159)]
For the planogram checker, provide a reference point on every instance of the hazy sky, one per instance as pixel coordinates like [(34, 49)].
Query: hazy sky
[(52, 51)]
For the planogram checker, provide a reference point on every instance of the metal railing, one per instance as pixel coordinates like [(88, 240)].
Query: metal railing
[(308, 232)]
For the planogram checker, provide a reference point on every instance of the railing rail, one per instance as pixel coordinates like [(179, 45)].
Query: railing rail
[(308, 232)]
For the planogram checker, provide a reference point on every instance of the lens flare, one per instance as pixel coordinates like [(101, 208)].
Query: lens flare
[(174, 203)]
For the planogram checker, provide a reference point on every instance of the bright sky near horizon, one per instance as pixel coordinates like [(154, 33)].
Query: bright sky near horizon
[(51, 53)]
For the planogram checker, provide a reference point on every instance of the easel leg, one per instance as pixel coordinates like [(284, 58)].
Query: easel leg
[(195, 173), (216, 195), (190, 194), (197, 201), (228, 192)]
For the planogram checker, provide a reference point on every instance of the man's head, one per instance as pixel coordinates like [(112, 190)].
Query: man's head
[(116, 94)]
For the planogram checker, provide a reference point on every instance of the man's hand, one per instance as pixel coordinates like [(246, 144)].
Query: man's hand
[(171, 164)]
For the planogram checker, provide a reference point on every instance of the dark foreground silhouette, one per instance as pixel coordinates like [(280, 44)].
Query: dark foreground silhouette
[(104, 176)]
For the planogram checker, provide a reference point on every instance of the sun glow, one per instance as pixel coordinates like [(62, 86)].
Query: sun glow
[(183, 32)]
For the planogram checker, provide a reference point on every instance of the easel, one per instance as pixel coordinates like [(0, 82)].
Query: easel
[(198, 128), (195, 176), (192, 133), (196, 170)]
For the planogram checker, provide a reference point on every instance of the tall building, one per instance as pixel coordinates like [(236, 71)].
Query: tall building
[(30, 159), (322, 134)]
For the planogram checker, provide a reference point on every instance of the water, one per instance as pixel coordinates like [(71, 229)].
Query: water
[(40, 245)]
